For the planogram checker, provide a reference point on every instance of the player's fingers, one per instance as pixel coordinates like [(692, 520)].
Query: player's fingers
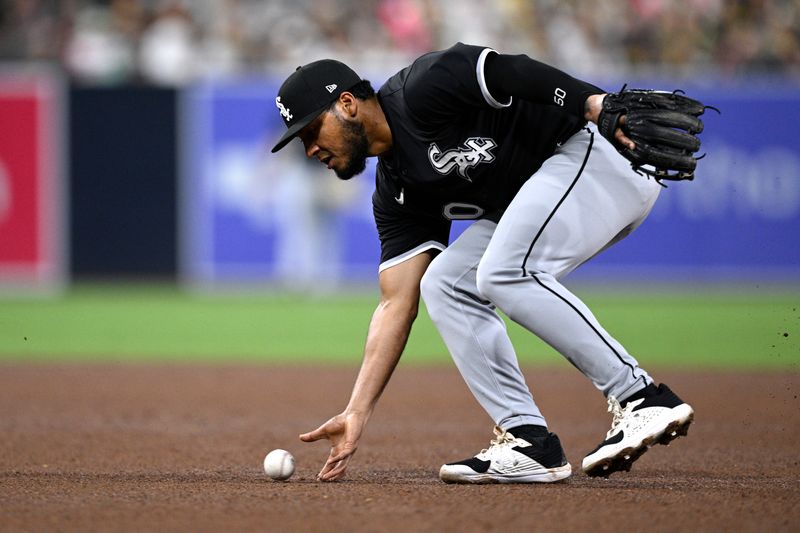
[(336, 464), (341, 455), (623, 139), (337, 472), (620, 136), (311, 436), (324, 474), (335, 475)]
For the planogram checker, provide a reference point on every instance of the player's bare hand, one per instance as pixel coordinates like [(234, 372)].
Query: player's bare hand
[(343, 431)]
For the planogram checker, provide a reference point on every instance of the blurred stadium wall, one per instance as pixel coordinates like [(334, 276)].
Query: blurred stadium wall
[(135, 135)]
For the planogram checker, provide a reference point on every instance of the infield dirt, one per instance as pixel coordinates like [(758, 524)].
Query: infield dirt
[(168, 448)]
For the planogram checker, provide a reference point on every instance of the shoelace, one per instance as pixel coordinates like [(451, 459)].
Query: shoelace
[(618, 413), (502, 438)]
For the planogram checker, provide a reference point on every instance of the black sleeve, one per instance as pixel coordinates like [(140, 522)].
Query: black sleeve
[(406, 229), (404, 237), (443, 84), (509, 76)]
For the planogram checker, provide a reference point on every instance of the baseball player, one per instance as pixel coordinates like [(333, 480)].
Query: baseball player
[(511, 143)]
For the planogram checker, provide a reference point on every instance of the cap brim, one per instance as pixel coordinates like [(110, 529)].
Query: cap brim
[(295, 128)]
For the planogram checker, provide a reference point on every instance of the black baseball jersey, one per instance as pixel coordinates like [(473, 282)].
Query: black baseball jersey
[(457, 152)]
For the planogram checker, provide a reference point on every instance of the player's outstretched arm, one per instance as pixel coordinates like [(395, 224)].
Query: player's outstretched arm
[(387, 336)]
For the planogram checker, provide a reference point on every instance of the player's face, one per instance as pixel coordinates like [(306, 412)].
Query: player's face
[(338, 143)]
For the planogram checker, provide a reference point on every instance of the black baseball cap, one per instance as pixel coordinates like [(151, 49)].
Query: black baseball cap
[(308, 92)]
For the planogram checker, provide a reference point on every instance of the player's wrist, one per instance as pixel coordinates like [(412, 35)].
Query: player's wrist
[(593, 106), (357, 411)]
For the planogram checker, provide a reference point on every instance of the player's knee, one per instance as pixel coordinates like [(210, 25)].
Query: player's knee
[(492, 280)]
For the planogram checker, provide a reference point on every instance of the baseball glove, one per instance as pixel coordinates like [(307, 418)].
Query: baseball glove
[(664, 127)]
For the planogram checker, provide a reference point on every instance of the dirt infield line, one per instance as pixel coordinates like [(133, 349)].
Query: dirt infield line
[(143, 447)]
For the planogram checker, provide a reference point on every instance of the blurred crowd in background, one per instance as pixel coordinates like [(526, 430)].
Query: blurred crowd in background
[(174, 42)]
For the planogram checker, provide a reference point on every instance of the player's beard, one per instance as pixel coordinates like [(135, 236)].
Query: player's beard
[(355, 137)]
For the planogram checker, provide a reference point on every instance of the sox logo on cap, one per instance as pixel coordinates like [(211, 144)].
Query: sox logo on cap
[(285, 113)]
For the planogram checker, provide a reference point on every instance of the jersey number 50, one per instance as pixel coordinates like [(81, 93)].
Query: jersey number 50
[(559, 96)]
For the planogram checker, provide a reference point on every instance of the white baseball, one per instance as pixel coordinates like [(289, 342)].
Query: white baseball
[(279, 464)]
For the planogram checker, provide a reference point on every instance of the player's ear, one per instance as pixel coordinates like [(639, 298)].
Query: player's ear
[(348, 104)]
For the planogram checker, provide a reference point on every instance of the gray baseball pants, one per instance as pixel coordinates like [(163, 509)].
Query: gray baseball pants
[(582, 200)]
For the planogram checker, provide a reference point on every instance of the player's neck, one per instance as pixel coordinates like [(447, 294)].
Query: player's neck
[(377, 128)]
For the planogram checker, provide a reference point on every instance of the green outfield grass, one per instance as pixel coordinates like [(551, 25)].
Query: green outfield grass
[(677, 327)]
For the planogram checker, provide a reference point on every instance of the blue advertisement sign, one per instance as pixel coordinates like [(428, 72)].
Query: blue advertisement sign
[(250, 216)]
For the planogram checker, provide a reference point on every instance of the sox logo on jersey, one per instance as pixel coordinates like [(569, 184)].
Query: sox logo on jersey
[(474, 151)]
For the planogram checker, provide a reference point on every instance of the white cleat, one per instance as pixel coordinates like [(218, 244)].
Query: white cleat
[(510, 459), (656, 419)]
